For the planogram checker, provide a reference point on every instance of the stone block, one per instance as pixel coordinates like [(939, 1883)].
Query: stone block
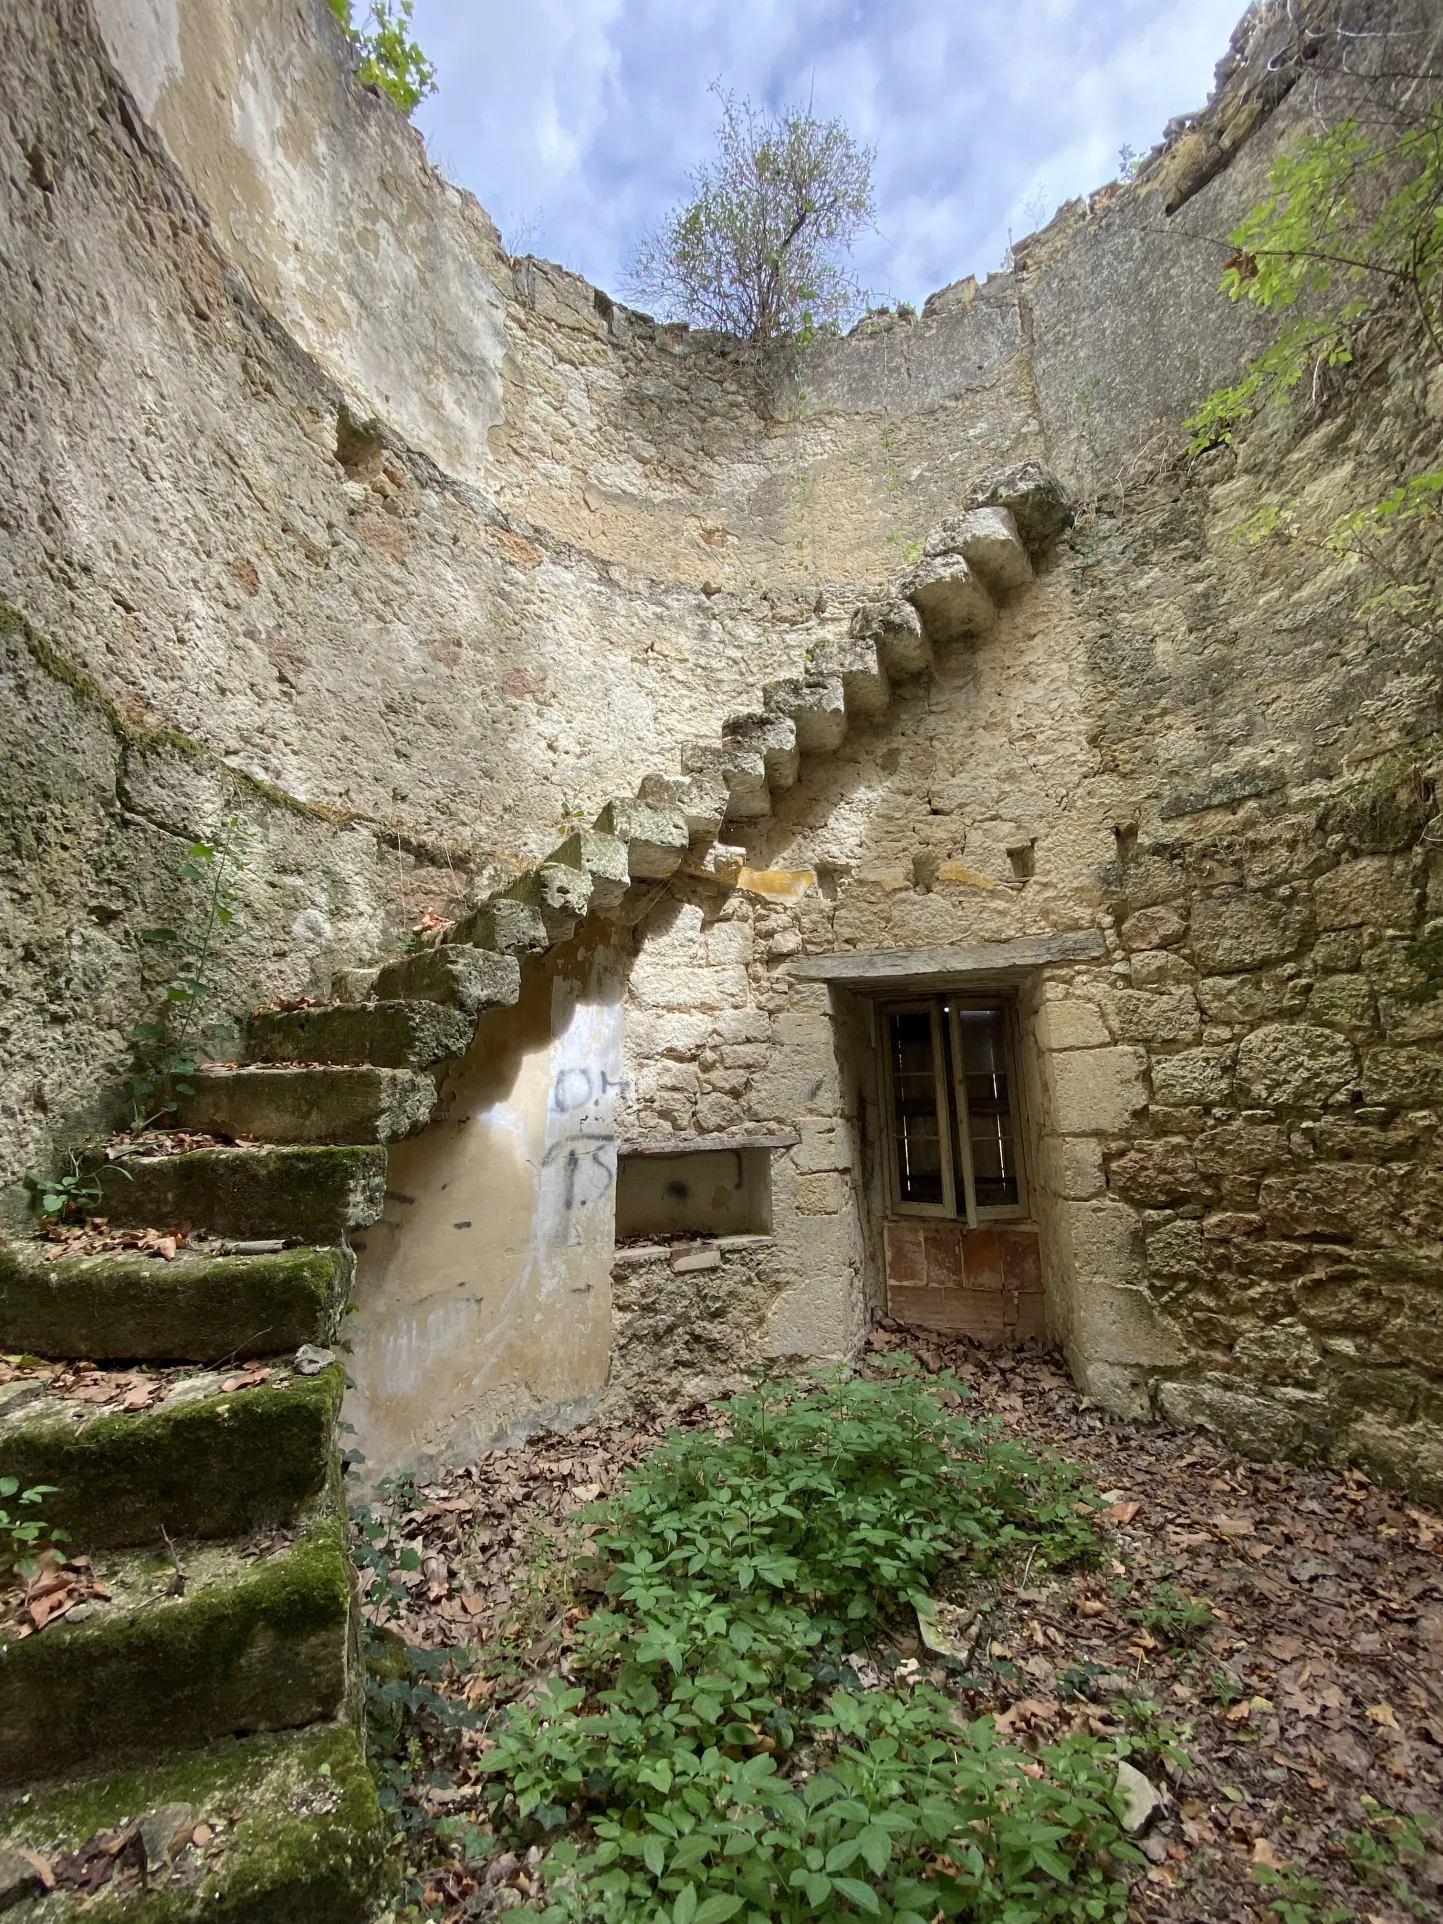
[(701, 796), (774, 738), (341, 1103), (1156, 1016), (1340, 1200), (1192, 1079), (854, 660), (458, 977), (816, 706), (391, 1035), (1032, 494), (1155, 928), (1162, 969), (741, 772), (812, 1319), (604, 858), (1296, 1065), (1075, 1167), (560, 894), (1343, 1002), (1178, 1252), (252, 1645), (895, 629), (1071, 1025), (1235, 929), (305, 1195), (193, 1309), (507, 926), (1250, 1149), (215, 1465), (656, 838), (1403, 1078), (1155, 1174), (297, 1833), (1406, 1456), (1096, 1091), (988, 541), (1256, 1425), (1242, 1000), (950, 599), (1373, 891), (1120, 1323)]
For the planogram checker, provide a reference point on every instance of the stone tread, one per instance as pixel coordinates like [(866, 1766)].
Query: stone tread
[(197, 1308), (296, 1835), (256, 1642), (308, 1195), (390, 1035), (197, 1465), (280, 1103)]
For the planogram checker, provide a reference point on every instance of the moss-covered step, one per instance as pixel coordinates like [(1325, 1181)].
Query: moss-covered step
[(290, 1833), (204, 1463), (392, 1035), (471, 979), (195, 1308), (195, 1643), (307, 1195), (341, 1103)]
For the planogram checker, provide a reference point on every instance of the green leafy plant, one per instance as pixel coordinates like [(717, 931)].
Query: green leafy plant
[(23, 1538), (713, 1738), (1297, 1899), (67, 1198), (756, 251), (165, 1050), (1383, 1851), (1176, 1615), (387, 56)]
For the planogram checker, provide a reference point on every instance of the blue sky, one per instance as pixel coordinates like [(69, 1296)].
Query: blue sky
[(575, 122)]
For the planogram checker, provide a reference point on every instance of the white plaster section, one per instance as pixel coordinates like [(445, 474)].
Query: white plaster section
[(143, 39), (484, 1291)]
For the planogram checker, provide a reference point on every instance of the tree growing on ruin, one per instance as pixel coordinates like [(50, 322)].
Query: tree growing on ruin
[(759, 250), (386, 54)]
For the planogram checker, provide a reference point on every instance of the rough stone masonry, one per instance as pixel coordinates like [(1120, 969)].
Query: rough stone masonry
[(714, 713)]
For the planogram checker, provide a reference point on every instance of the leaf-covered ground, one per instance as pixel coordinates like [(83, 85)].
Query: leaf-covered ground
[(1281, 1627)]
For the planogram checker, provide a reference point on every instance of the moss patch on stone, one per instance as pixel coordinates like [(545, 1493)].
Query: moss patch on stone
[(311, 1195), (297, 1834), (214, 1466), (194, 1309), (256, 1642)]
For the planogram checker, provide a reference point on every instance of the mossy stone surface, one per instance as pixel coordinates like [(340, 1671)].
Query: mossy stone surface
[(258, 1642), (212, 1466), (194, 1309), (338, 1103), (395, 1035), (298, 1835), (308, 1195)]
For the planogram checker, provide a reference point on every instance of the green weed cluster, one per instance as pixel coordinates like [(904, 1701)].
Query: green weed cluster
[(713, 1755)]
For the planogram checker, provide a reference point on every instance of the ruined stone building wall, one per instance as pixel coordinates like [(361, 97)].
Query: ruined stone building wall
[(421, 553)]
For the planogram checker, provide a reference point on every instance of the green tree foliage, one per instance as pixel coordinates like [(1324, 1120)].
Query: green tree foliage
[(1350, 234), (387, 55), (756, 251)]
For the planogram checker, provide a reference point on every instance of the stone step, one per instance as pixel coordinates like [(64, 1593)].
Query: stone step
[(741, 772), (257, 1637), (656, 838), (950, 598), (1033, 496), (816, 707), (559, 893), (197, 1308), (341, 1103), (203, 1464), (295, 1833), (472, 980), (701, 799), (854, 660), (389, 1035), (303, 1195), (774, 738), (895, 630), (507, 926), (987, 540), (604, 859)]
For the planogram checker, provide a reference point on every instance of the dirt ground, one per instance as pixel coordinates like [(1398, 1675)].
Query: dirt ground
[(1313, 1684)]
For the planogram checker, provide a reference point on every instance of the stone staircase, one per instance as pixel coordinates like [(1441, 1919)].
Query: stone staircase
[(205, 1700)]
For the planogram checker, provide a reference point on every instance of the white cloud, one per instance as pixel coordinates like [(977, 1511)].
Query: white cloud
[(588, 114)]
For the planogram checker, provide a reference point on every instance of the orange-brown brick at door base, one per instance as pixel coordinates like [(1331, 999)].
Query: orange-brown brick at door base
[(984, 1283)]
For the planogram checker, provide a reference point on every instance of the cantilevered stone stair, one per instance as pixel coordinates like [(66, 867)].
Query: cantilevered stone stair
[(217, 1686)]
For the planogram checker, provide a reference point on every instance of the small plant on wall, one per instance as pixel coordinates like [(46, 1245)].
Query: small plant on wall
[(166, 1049)]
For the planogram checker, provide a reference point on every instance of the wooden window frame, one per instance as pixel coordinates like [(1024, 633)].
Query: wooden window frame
[(952, 1112)]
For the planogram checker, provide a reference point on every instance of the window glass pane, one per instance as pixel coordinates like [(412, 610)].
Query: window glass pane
[(914, 1107), (990, 1124)]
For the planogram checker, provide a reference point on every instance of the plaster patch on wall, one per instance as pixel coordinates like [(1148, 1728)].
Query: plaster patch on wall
[(148, 32)]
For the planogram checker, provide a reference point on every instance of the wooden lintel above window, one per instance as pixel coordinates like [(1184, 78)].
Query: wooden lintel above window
[(919, 968)]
